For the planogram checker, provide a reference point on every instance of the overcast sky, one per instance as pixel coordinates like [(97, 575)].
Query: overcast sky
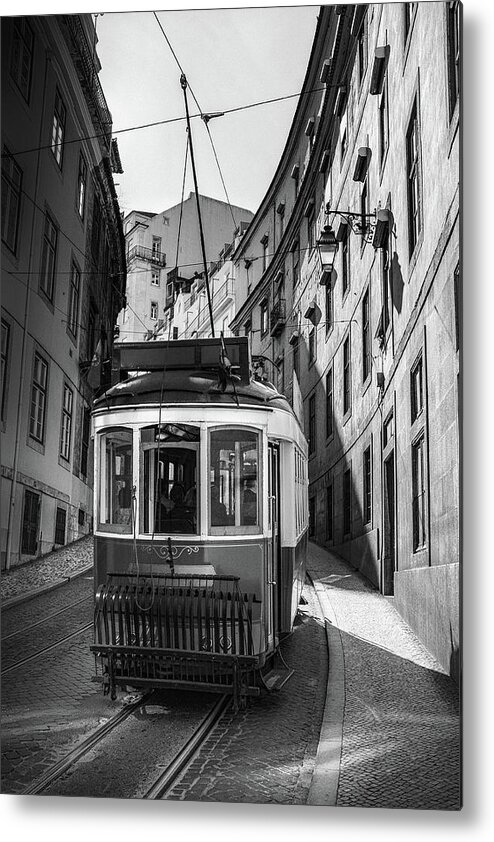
[(231, 58)]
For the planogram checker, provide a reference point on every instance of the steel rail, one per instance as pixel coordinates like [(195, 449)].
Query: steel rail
[(46, 619), (47, 648), (187, 754), (58, 769)]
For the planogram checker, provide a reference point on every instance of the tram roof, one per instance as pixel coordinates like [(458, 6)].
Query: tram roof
[(179, 386)]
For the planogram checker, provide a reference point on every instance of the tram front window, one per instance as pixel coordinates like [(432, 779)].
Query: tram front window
[(234, 473), (115, 499), (169, 500)]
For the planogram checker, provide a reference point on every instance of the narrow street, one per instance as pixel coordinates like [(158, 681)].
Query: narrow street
[(359, 735)]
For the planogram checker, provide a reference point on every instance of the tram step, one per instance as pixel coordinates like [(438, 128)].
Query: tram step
[(277, 677)]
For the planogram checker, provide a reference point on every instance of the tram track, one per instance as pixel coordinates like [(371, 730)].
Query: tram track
[(183, 759), (73, 757), (26, 629), (46, 649)]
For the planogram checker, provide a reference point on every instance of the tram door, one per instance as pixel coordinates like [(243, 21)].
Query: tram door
[(274, 534)]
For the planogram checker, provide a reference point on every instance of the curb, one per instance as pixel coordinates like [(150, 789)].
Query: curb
[(25, 597), (323, 790)]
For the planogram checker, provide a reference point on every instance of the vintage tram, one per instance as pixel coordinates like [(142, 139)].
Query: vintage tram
[(201, 519)]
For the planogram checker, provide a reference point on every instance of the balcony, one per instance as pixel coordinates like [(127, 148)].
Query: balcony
[(277, 317), (143, 253)]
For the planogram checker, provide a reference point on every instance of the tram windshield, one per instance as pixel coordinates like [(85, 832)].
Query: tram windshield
[(234, 472), (169, 499)]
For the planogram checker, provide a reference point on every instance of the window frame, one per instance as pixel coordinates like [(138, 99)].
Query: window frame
[(414, 179), (330, 512), (235, 529), (11, 199), (153, 309), (5, 361), (66, 422), (21, 26), (453, 40), (346, 497), (48, 258), (312, 424), (74, 301), (39, 396), (366, 337), (58, 129), (329, 403), (347, 376), (419, 496), (58, 526), (81, 186), (120, 528), (367, 486)]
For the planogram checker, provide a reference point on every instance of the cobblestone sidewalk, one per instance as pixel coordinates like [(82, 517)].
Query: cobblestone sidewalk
[(48, 570)]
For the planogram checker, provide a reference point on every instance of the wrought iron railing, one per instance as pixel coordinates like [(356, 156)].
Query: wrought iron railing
[(143, 253), (277, 316)]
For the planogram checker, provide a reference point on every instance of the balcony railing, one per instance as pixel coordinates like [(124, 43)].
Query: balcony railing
[(277, 317), (143, 253)]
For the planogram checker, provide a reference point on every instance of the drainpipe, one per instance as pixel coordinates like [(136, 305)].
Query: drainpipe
[(22, 377)]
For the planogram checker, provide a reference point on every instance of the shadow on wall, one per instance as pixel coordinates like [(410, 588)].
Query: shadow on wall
[(396, 283)]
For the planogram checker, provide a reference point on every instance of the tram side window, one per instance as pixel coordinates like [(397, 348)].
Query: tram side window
[(115, 508), (169, 459), (234, 475)]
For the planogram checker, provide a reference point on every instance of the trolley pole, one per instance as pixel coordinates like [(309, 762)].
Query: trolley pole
[(183, 82)]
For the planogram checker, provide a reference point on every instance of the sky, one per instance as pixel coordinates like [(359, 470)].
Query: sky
[(231, 58)]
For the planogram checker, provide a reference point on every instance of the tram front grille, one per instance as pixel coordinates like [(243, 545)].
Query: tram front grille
[(181, 613)]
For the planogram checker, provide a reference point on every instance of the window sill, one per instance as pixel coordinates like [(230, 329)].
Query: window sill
[(35, 445)]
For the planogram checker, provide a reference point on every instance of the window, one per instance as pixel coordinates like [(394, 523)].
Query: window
[(329, 513), (81, 186), (86, 416), (409, 10), (58, 129), (458, 306), (312, 346), (5, 364), (328, 300), (154, 310), (417, 389), (347, 376), (311, 228), (367, 476), (264, 245), (234, 475), (345, 262), (312, 424), (30, 522), (364, 210), (169, 476), (81, 517), (60, 526), (296, 175), (295, 263), (155, 279), (362, 51), (156, 248), (38, 398), (383, 124), (11, 199), (418, 494), (347, 502), (74, 294), (366, 339), (66, 431), (296, 356), (22, 55), (115, 481), (96, 228), (343, 145), (280, 374), (329, 403), (454, 67), (413, 180), (48, 258), (312, 516), (388, 429), (385, 291), (281, 219), (91, 331), (264, 316)]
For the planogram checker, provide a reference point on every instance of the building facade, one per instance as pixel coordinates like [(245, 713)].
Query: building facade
[(63, 276), (368, 349), (164, 256)]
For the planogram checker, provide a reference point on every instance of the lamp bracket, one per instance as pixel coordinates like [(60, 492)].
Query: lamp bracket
[(362, 224)]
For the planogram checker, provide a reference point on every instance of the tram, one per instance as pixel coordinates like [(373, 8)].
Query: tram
[(201, 520)]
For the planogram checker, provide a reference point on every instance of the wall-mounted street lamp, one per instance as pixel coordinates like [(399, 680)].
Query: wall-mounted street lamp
[(327, 247), (374, 227)]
